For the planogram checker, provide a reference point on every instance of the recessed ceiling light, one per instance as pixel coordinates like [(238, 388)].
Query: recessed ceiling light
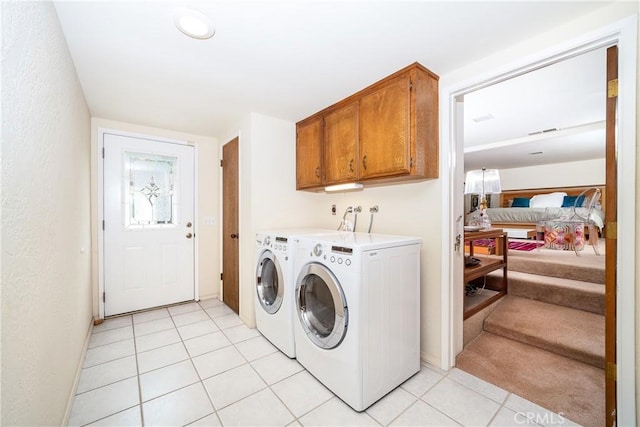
[(193, 23)]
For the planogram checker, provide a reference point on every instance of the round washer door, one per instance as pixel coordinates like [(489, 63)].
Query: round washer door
[(269, 283), (321, 306)]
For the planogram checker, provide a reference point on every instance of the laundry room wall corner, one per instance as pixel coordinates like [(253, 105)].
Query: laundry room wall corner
[(268, 196)]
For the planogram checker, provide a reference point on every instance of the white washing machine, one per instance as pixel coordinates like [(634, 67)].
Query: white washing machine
[(357, 327), (275, 284)]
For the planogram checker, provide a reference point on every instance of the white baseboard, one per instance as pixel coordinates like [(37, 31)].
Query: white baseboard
[(76, 380), (431, 360), (209, 296)]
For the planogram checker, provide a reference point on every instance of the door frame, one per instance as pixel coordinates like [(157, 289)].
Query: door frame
[(99, 203), (624, 34)]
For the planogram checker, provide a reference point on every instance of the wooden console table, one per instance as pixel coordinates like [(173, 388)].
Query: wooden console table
[(487, 265)]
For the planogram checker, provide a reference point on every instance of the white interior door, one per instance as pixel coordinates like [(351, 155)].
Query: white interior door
[(148, 230)]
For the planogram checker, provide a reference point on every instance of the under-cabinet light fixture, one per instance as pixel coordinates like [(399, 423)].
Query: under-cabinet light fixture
[(351, 186), (193, 23)]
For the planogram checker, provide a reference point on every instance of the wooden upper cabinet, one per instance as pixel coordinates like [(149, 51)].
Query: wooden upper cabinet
[(387, 132), (341, 145), (384, 130), (309, 154)]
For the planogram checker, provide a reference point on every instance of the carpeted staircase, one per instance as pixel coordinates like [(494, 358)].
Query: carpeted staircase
[(544, 341)]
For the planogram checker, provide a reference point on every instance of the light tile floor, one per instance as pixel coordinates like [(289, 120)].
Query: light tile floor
[(198, 364)]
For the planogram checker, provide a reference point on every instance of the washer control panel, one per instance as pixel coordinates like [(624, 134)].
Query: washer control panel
[(335, 255)]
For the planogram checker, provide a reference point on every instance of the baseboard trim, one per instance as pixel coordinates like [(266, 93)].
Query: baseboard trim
[(430, 359), (76, 380), (209, 296)]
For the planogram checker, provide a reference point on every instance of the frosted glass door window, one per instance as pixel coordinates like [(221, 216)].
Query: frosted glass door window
[(151, 197)]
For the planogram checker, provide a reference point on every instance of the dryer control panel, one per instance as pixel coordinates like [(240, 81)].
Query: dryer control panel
[(281, 244), (276, 243)]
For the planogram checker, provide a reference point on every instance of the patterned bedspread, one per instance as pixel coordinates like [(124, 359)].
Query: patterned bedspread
[(535, 215)]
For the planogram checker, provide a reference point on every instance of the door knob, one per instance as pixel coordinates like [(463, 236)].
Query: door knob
[(234, 235), (189, 235)]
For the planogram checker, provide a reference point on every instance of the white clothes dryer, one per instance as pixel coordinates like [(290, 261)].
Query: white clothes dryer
[(357, 326), (275, 285)]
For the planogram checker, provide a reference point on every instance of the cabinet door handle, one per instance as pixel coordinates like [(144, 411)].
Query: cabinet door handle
[(318, 172), (351, 165), (364, 162)]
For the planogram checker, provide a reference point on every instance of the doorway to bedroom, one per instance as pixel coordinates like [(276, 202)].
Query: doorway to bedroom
[(545, 132)]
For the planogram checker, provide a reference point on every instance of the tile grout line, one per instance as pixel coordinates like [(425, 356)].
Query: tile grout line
[(420, 398), (135, 349), (199, 377), (123, 379), (247, 362), (269, 385)]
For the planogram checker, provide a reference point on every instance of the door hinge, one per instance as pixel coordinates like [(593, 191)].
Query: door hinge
[(612, 88), (611, 230), (104, 297), (221, 163), (612, 371), (410, 85), (221, 276), (103, 225), (410, 162)]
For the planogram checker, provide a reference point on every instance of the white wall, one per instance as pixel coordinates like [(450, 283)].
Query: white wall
[(46, 279), (411, 209), (207, 235), (570, 174)]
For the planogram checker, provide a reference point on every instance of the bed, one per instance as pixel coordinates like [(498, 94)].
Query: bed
[(507, 216)]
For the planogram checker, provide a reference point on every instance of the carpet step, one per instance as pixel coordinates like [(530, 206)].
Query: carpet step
[(565, 265), (576, 334), (576, 294), (560, 384)]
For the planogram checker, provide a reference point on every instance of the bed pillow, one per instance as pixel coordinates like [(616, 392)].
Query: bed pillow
[(551, 200), (570, 201), (520, 202)]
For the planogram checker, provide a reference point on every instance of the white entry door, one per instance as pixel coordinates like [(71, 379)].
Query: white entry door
[(148, 230)]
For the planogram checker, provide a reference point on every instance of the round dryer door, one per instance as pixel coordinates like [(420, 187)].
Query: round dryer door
[(269, 282), (321, 306)]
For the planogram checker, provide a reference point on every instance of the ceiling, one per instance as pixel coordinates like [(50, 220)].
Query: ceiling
[(289, 59), (551, 115)]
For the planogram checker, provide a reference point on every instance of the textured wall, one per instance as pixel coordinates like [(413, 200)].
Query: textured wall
[(46, 306)]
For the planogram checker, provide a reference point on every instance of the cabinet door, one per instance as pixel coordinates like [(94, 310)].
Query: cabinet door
[(385, 130), (341, 144), (309, 154)]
